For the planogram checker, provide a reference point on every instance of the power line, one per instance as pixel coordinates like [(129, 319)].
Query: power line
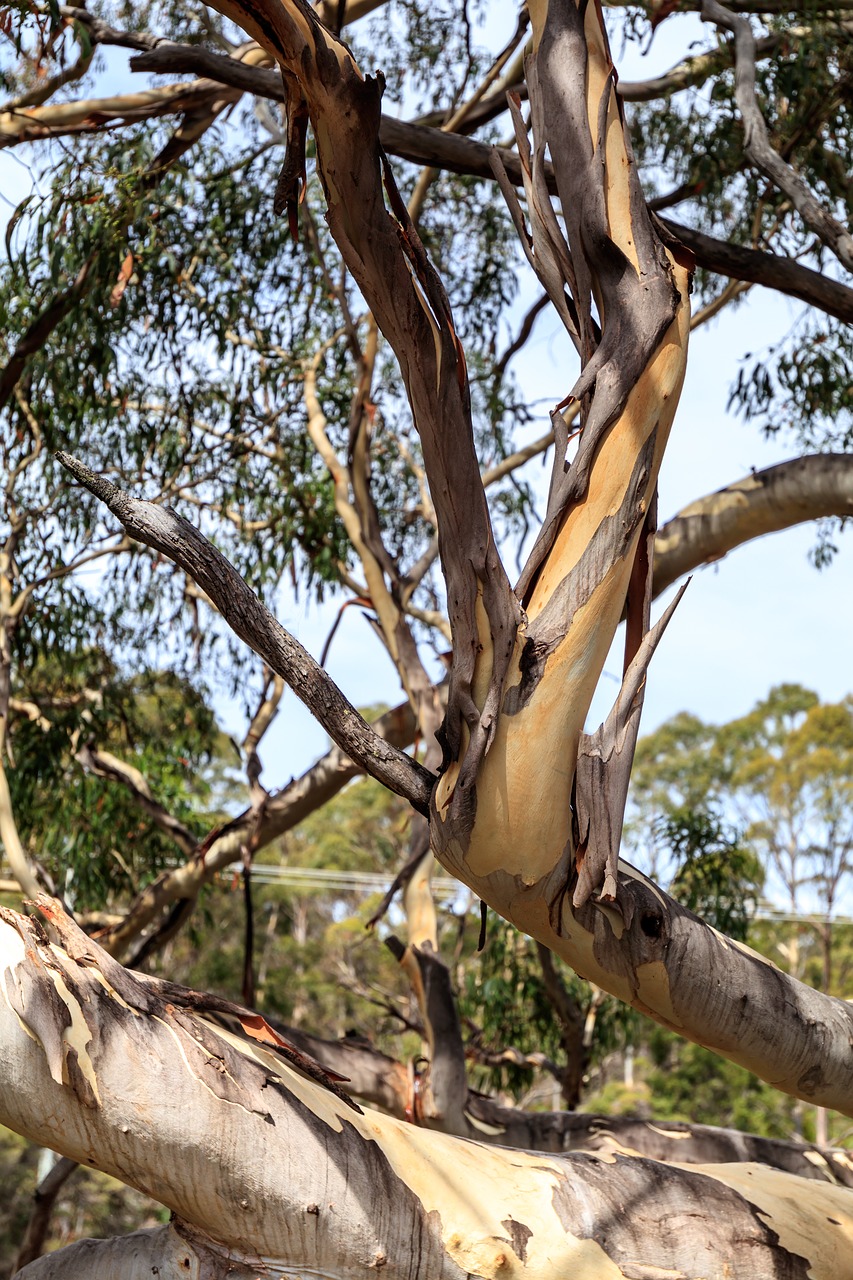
[(322, 878)]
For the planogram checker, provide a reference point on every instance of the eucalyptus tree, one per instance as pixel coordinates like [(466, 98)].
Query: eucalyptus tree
[(341, 414)]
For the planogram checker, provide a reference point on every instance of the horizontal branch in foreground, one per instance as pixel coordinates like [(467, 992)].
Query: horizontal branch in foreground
[(164, 531), (266, 1169), (808, 488), (378, 1080)]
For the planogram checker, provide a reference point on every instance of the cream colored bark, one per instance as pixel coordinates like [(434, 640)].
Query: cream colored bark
[(528, 810), (267, 1170), (810, 488)]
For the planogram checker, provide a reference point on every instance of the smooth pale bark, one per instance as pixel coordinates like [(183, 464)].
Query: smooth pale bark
[(527, 812), (810, 488), (265, 1169), (378, 1080), (688, 977), (514, 818)]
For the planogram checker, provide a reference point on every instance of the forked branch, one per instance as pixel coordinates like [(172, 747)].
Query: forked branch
[(385, 256)]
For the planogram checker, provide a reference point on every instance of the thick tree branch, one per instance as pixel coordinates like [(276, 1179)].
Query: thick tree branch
[(768, 269), (808, 488), (457, 154), (164, 531), (378, 1080), (659, 962), (443, 1092), (424, 145), (94, 114), (520, 823), (804, 489), (303, 1181), (383, 252)]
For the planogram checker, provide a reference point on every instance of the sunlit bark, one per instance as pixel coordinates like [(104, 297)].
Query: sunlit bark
[(817, 486), (269, 1173), (266, 1170)]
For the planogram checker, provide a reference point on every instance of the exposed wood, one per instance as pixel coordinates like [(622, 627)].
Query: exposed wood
[(518, 825), (263, 1159), (378, 1080)]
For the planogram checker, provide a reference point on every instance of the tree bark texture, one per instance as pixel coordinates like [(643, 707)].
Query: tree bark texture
[(813, 487), (527, 810), (380, 1081), (266, 1169), (271, 1170)]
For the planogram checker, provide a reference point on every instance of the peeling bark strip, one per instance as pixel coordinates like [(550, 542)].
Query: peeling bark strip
[(270, 1174), (629, 318), (380, 1081)]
